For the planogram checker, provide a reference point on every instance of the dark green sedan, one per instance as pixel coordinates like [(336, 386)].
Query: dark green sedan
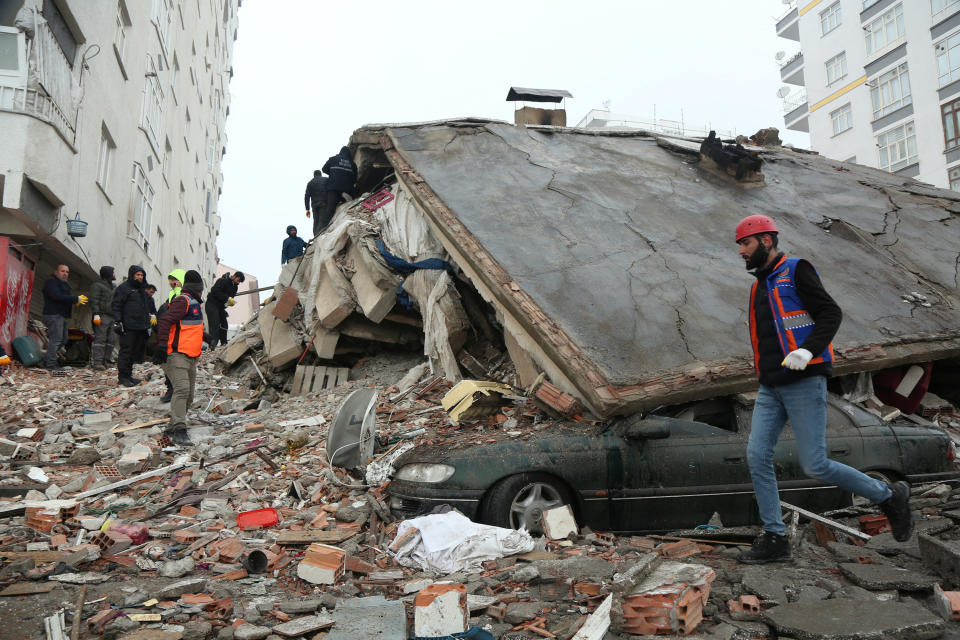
[(669, 470)]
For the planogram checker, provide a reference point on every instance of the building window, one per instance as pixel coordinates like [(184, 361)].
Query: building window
[(954, 176), (884, 30), (836, 67), (142, 207), (936, 6), (830, 19), (61, 31), (948, 59), (897, 147), (890, 91), (211, 150), (842, 119), (951, 123), (13, 57), (167, 153), (158, 246), (120, 37), (207, 209), (105, 157), (152, 104), (174, 77), (162, 17)]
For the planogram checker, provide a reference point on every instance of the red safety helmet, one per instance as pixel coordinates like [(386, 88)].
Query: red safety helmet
[(752, 225)]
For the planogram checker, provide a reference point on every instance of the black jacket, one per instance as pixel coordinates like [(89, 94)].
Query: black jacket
[(221, 290), (101, 292), (58, 298), (342, 171), (130, 304), (826, 315), (316, 191)]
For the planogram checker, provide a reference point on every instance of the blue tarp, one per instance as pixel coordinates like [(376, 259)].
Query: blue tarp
[(405, 268)]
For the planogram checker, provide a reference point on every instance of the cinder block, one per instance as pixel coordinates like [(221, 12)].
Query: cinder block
[(948, 603), (322, 564), (441, 610), (558, 523), (112, 542), (940, 555)]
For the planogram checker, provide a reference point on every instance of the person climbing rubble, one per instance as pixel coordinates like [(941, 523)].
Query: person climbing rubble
[(342, 182), (101, 295), (315, 198), (58, 302), (220, 297), (180, 338), (792, 323), (131, 314), (293, 245)]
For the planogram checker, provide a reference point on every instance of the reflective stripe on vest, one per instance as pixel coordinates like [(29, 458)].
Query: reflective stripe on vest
[(186, 336), (792, 322)]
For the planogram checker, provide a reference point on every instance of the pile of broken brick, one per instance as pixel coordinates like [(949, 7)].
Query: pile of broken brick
[(249, 532)]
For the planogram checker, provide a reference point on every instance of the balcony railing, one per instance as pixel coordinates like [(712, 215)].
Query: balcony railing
[(37, 104), (794, 101)]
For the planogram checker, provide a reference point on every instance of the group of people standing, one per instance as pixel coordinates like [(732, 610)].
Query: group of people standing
[(323, 194), (126, 316)]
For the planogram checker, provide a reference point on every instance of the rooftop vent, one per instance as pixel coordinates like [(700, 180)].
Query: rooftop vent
[(535, 115)]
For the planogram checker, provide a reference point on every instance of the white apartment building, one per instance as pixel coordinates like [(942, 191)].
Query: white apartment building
[(114, 109), (879, 83)]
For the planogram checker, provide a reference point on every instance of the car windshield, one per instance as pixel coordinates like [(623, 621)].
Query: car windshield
[(715, 412)]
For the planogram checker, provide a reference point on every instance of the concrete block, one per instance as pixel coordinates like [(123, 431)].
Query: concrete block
[(279, 339), (376, 294), (882, 576), (235, 350), (558, 523), (948, 603), (92, 419), (322, 564), (333, 301), (853, 620), (325, 342), (940, 555), (370, 617), (441, 610)]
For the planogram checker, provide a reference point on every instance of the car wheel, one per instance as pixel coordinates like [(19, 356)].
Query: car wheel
[(519, 501), (883, 476)]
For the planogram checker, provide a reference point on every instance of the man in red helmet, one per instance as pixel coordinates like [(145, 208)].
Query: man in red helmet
[(792, 322)]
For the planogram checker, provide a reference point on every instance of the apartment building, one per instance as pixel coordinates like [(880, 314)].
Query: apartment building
[(877, 82), (112, 113)]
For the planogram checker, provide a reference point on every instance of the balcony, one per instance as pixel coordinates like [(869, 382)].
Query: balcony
[(789, 25), (796, 112), (791, 71), (35, 103)]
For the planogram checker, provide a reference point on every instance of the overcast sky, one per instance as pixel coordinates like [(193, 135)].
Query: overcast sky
[(308, 73)]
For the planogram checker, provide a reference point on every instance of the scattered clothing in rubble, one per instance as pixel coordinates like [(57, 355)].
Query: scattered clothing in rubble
[(293, 246)]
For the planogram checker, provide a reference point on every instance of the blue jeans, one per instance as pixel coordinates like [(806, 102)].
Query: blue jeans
[(56, 336), (804, 403)]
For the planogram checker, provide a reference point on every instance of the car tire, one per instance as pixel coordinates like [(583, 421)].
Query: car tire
[(887, 477), (518, 501)]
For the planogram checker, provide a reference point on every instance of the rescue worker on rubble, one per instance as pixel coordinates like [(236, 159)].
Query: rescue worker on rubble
[(131, 318), (341, 184), (293, 246), (220, 297), (316, 198), (175, 280), (101, 295), (180, 338), (792, 323), (58, 302)]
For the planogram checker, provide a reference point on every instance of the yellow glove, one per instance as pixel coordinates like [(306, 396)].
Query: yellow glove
[(4, 361), (96, 319), (231, 302), (153, 320), (82, 299)]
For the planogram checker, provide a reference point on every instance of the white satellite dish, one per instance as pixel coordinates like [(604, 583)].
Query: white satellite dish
[(783, 92), (780, 55)]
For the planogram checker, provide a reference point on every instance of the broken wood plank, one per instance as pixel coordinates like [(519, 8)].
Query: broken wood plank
[(597, 624), (28, 588), (78, 614), (318, 379), (129, 427), (176, 466), (308, 536), (827, 521), (297, 381), (343, 375)]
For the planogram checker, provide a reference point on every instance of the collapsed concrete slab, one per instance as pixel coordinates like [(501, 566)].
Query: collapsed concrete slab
[(853, 620), (610, 259)]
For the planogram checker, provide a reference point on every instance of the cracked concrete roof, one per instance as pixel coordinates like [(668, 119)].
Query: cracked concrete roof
[(617, 257)]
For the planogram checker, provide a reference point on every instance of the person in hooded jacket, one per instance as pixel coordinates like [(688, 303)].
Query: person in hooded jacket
[(315, 198), (180, 338), (221, 297), (101, 296), (131, 315), (175, 280), (293, 245), (340, 185)]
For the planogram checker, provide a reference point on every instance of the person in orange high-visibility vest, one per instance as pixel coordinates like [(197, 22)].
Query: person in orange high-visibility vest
[(792, 323), (180, 339)]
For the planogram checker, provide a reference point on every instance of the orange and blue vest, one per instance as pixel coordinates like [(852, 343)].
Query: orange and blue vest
[(186, 336), (791, 320)]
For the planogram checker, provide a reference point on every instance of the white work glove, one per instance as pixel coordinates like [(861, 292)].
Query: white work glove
[(797, 359)]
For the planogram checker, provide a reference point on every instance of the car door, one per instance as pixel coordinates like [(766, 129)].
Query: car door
[(725, 474)]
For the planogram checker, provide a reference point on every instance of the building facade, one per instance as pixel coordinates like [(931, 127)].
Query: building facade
[(113, 114), (877, 82)]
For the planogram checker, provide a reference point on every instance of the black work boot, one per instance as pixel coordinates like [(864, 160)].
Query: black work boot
[(127, 382), (167, 396), (768, 547), (179, 436), (897, 510)]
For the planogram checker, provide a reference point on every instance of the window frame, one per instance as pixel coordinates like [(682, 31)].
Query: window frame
[(142, 209), (846, 116), (105, 155), (151, 117), (947, 4), (826, 17), (841, 60), (953, 74), (908, 140), (15, 77), (954, 182), (898, 77), (161, 15), (951, 111), (897, 18)]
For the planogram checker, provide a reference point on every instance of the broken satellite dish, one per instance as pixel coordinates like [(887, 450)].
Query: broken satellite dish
[(351, 438)]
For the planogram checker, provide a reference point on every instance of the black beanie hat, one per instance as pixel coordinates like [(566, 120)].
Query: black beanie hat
[(192, 277)]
